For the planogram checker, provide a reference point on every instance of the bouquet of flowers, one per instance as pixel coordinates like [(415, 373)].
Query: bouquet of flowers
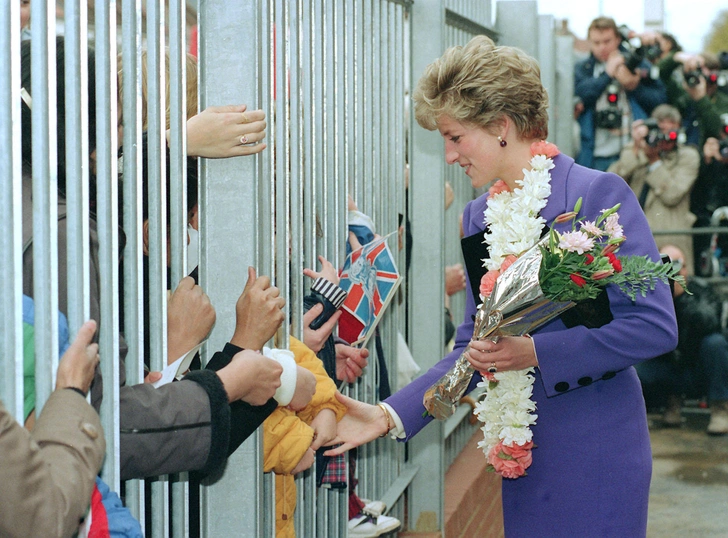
[(559, 271)]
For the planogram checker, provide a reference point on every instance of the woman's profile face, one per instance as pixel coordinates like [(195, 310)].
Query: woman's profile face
[(471, 147)]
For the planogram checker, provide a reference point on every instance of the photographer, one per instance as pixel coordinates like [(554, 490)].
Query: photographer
[(615, 88), (691, 81), (710, 193), (661, 171)]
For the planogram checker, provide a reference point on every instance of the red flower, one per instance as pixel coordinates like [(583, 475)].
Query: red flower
[(589, 259), (614, 261), (577, 279)]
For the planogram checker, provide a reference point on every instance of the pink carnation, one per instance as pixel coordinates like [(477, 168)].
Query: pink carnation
[(498, 187), (508, 262), (578, 242), (511, 461), (544, 148), (488, 282)]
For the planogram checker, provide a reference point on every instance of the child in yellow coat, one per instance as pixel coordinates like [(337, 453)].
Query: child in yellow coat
[(291, 437)]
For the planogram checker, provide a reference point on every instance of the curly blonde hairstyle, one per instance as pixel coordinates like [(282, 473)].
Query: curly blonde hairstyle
[(482, 84)]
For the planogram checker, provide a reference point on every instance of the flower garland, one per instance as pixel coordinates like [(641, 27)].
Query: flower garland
[(513, 226)]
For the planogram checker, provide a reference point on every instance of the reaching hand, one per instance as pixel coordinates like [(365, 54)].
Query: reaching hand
[(454, 279), (315, 339), (328, 271), (152, 377), (190, 317), (251, 377), (78, 364), (258, 313), (324, 429), (350, 362), (305, 389), (306, 461), (362, 423), (226, 131)]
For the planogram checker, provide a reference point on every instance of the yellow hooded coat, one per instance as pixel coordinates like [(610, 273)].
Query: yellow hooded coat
[(287, 435)]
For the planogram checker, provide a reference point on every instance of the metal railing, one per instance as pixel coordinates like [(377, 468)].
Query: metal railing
[(334, 79)]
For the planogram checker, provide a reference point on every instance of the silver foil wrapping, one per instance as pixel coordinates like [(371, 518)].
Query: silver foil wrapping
[(516, 307)]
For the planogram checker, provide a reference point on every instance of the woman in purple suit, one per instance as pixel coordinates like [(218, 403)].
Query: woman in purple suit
[(591, 464)]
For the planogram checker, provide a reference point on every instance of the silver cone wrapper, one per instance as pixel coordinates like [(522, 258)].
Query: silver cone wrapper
[(516, 307)]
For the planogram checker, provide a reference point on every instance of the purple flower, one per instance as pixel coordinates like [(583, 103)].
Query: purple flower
[(578, 242)]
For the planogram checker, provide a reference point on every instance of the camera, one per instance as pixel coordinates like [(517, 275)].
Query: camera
[(655, 134), (610, 117), (634, 51), (692, 78)]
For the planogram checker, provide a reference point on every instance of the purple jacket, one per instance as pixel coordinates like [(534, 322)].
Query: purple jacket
[(592, 462)]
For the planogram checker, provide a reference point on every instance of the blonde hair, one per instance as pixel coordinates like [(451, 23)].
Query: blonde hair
[(191, 96), (482, 84)]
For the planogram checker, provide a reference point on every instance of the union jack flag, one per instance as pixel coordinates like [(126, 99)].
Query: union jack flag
[(370, 277)]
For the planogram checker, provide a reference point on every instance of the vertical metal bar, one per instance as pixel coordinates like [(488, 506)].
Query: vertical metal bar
[(131, 44), (11, 334), (266, 88), (157, 203), (177, 107), (77, 163), (178, 207), (229, 214), (318, 112), (45, 199), (329, 134), (425, 288), (108, 225), (307, 104)]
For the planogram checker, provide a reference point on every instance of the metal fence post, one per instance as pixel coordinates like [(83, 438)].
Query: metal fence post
[(426, 288), (229, 70)]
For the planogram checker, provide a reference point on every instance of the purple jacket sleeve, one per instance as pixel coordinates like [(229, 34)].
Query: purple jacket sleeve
[(408, 401)]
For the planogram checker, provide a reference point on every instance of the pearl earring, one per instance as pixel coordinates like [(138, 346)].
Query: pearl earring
[(502, 142)]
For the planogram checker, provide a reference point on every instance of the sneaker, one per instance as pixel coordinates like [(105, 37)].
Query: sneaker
[(365, 526), (718, 418), (373, 508), (672, 417)]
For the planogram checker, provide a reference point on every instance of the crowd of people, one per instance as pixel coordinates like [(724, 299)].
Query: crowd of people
[(665, 135), (657, 116)]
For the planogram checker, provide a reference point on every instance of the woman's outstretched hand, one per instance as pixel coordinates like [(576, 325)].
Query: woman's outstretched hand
[(362, 423)]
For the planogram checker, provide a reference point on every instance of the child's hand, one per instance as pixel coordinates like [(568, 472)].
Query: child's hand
[(324, 429), (305, 389), (328, 271), (315, 339), (306, 461), (350, 362), (258, 312)]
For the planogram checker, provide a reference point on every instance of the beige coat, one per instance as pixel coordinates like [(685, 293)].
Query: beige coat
[(667, 206), (47, 475)]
